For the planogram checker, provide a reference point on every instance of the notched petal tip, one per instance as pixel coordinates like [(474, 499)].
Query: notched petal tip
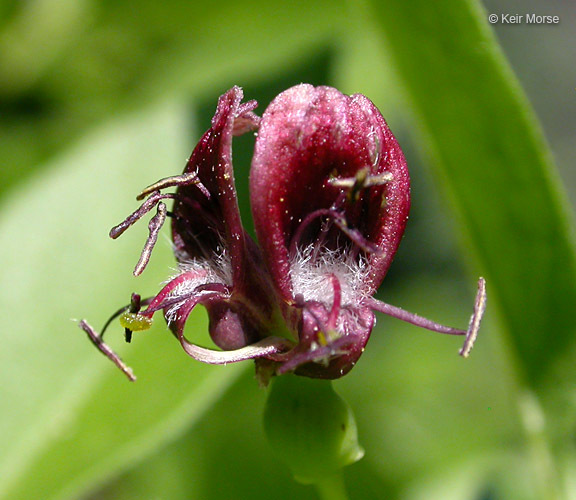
[(475, 319), (245, 119)]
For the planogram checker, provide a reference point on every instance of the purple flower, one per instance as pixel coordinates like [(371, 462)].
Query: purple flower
[(330, 197)]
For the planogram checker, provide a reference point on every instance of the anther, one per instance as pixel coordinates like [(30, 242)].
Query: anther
[(134, 308), (148, 205), (473, 326), (154, 228), (360, 181), (105, 349), (175, 180)]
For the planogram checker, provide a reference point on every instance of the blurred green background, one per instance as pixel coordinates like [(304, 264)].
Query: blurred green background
[(100, 98)]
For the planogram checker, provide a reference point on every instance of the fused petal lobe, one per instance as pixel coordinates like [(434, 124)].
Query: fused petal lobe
[(206, 221), (318, 150)]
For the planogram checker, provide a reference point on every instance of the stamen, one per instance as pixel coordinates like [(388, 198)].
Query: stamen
[(185, 179), (471, 333), (339, 219), (304, 225), (134, 322), (320, 354), (360, 181), (475, 319), (209, 220), (154, 227), (98, 340), (328, 340), (158, 302), (106, 350), (336, 304), (327, 224), (135, 303), (221, 290), (300, 302), (148, 205), (356, 236), (134, 308)]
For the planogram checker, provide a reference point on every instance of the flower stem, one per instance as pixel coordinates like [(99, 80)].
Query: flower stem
[(332, 487)]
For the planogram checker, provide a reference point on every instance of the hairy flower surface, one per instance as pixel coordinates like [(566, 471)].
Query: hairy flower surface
[(330, 196)]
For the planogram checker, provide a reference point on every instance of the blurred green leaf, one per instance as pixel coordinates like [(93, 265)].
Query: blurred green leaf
[(225, 456), (69, 418), (495, 168), (108, 57)]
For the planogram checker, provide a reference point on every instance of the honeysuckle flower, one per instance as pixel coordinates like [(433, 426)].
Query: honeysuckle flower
[(330, 195)]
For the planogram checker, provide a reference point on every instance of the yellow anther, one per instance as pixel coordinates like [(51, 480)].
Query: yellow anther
[(135, 322), (322, 339)]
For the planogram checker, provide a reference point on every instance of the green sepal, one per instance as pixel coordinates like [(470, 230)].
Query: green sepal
[(310, 427)]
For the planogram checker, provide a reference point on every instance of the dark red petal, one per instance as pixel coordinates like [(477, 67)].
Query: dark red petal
[(335, 357), (207, 228), (206, 218), (308, 137), (265, 347)]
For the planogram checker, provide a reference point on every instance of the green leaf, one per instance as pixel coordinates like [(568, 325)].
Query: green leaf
[(66, 65), (226, 455), (495, 168), (69, 418)]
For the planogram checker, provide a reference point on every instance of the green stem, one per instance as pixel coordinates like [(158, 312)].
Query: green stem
[(332, 487)]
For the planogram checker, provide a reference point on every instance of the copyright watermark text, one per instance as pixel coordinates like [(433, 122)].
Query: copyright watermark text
[(522, 19)]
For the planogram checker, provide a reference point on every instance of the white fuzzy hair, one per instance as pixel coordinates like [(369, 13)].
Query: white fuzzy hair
[(215, 270), (311, 276)]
